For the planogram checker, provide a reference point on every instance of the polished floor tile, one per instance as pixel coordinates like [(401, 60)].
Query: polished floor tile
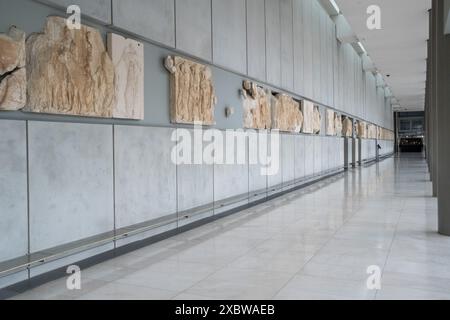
[(314, 243)]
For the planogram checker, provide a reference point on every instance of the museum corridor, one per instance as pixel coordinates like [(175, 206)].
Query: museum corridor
[(314, 243)]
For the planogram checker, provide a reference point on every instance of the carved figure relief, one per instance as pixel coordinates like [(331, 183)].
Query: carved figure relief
[(385, 134), (256, 105), (347, 127), (127, 56), (192, 93), (371, 131), (286, 114), (69, 71), (317, 126), (308, 116), (338, 124), (13, 82), (330, 123), (361, 131)]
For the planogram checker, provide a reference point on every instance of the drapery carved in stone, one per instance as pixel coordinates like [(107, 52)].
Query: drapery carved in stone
[(347, 127), (192, 96), (330, 123), (385, 134), (69, 71), (371, 131), (317, 125), (338, 124), (361, 129), (308, 116), (127, 56), (286, 114), (13, 82), (256, 106)]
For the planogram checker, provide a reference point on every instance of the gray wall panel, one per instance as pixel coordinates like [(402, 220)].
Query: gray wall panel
[(316, 55), (275, 179), (145, 174), (317, 154), (152, 19), (273, 42), (298, 46), (232, 179), (287, 49), (71, 182), (257, 159), (97, 9), (323, 56), (229, 34), (256, 39), (288, 158), (308, 48), (195, 182), (309, 155), (300, 157), (193, 31), (13, 190)]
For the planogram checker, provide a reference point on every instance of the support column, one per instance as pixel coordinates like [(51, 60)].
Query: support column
[(443, 121)]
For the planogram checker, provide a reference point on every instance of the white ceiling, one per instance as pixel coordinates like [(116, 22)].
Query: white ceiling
[(399, 49)]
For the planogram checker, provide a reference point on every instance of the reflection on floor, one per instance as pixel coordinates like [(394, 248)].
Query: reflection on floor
[(315, 243)]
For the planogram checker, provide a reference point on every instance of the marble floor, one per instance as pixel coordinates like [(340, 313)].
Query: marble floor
[(315, 243)]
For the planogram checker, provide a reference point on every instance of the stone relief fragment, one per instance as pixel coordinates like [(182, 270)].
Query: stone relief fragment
[(13, 80), (371, 131), (361, 129), (330, 123), (69, 71), (385, 134), (338, 124), (308, 115), (286, 114), (192, 92), (347, 127), (127, 55), (317, 126), (256, 106)]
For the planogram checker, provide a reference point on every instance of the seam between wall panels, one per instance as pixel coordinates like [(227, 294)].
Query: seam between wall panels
[(175, 22), (246, 36), (114, 181), (27, 152), (212, 31)]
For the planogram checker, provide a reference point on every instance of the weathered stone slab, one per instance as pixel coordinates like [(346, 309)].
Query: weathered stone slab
[(192, 92), (371, 131), (347, 127), (338, 124), (286, 114), (12, 70), (127, 56), (317, 123), (361, 129), (256, 105), (69, 71), (308, 116), (330, 122)]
